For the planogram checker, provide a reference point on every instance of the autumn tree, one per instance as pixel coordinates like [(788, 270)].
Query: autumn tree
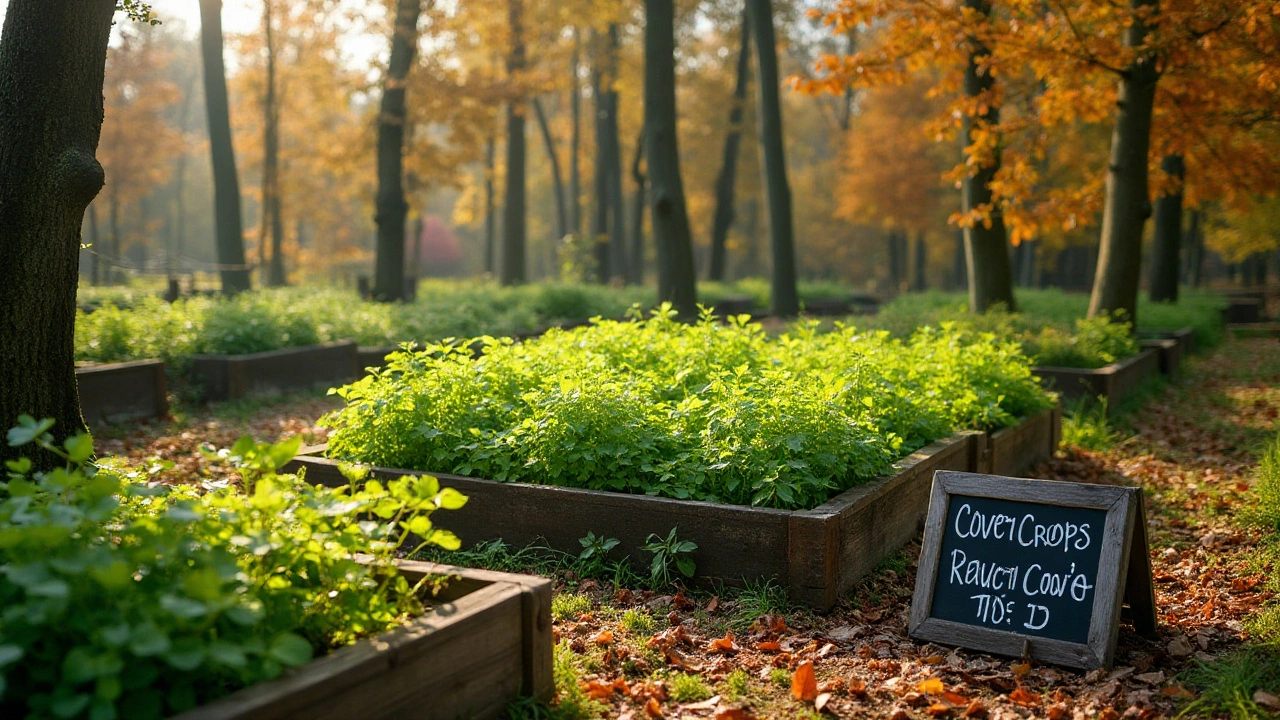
[(513, 207), (389, 275), (226, 196)]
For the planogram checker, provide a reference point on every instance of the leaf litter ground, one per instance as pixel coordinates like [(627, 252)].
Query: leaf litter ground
[(640, 653)]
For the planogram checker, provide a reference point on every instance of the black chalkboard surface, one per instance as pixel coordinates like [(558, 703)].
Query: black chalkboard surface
[(1031, 567)]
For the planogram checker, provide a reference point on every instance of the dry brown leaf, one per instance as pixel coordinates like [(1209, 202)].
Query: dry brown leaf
[(713, 604), (938, 710), (734, 713), (955, 698), (1177, 691), (604, 637), (1024, 698), (724, 645), (708, 704), (1060, 711), (858, 688), (769, 646), (932, 686), (680, 660), (804, 684), (900, 713), (820, 702), (1021, 669), (975, 710), (932, 660), (653, 709), (1266, 700)]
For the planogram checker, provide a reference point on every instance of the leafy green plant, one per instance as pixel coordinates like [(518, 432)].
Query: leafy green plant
[(595, 551), (1264, 512), (127, 598), (669, 554), (1086, 425), (568, 606), (687, 687), (737, 685), (637, 622)]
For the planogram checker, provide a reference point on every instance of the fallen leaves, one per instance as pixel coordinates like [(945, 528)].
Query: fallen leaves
[(804, 683), (1025, 698)]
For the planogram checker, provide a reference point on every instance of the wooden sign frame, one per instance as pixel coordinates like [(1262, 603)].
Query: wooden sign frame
[(1124, 569)]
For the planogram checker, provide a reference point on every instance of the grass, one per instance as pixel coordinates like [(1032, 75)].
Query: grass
[(568, 606), (1226, 686), (737, 685), (638, 622), (685, 687), (1085, 425), (756, 599)]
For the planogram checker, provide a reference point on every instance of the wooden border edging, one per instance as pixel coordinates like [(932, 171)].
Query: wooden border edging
[(115, 392), (231, 377), (816, 554), (487, 642), (1169, 351), (1114, 381), (1013, 450)]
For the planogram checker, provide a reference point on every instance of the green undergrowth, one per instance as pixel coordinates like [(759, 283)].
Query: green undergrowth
[(1227, 685), (127, 598), (705, 411)]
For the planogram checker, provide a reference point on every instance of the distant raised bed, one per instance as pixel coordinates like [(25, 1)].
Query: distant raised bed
[(486, 642), (1169, 351), (1114, 382), (117, 392), (231, 377), (1186, 338), (816, 554), (1244, 310)]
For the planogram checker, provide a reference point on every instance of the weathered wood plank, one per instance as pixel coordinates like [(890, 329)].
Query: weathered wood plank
[(116, 392), (229, 377)]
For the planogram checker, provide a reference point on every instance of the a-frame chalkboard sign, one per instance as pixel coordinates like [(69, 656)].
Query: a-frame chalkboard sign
[(1032, 568)]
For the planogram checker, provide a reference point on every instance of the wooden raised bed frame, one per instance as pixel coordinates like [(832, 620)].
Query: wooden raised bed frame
[(231, 377), (1012, 451), (486, 643), (816, 554), (1113, 382), (116, 392)]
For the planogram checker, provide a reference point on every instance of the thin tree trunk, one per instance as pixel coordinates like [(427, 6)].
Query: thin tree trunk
[(561, 216), (226, 185), (961, 269), (95, 259), (111, 274), (723, 218), (575, 137), (490, 231), (986, 246), (178, 224), (415, 267), (513, 209), (1195, 241), (919, 281), (1127, 204), (52, 66), (896, 263), (388, 282), (785, 298), (637, 212), (677, 282), (1168, 236), (272, 223), (610, 224)]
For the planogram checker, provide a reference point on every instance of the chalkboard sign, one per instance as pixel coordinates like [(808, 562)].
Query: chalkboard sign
[(1032, 568)]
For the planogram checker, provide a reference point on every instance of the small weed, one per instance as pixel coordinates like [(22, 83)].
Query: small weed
[(637, 622), (780, 676), (568, 606), (756, 599), (669, 554), (595, 553), (1264, 627), (1085, 425), (685, 687), (897, 562), (1265, 512), (571, 702), (1227, 685), (737, 685)]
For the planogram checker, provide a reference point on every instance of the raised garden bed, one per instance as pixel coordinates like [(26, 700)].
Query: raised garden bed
[(118, 392), (231, 377), (1113, 382), (1244, 310), (486, 642), (1255, 330), (816, 554), (1186, 338), (1169, 352), (1013, 450)]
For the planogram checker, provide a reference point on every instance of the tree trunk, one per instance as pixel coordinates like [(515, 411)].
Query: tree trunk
[(1168, 236), (785, 299), (677, 282), (919, 280), (272, 223), (178, 222), (637, 212), (391, 207), (723, 218), (490, 231), (896, 262), (52, 66), (575, 137), (95, 260), (608, 170), (226, 184), (1127, 204), (513, 209), (1025, 264), (1195, 248), (986, 246), (561, 216), (961, 269), (110, 273)]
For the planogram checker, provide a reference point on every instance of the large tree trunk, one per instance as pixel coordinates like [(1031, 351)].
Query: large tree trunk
[(785, 299), (226, 184), (52, 65), (513, 209), (391, 206), (272, 223), (1168, 236), (1127, 205), (490, 229), (562, 218), (723, 218), (637, 212), (986, 247), (677, 282), (575, 137)]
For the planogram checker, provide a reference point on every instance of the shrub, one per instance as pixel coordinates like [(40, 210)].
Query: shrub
[(704, 411), (126, 598)]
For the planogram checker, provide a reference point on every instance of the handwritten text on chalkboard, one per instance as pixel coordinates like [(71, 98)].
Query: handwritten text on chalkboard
[(1029, 569)]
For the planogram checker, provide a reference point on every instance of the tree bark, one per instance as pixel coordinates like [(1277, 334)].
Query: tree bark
[(677, 282), (609, 228), (513, 209), (561, 217), (52, 67), (391, 206), (897, 265), (575, 137), (785, 298), (637, 212), (961, 268), (919, 279), (490, 230), (1195, 246), (226, 184), (1168, 236), (95, 261), (723, 218), (986, 246), (272, 223), (1127, 204)]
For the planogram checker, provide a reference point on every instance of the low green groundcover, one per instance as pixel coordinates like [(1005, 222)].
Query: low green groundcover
[(123, 598), (717, 412)]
